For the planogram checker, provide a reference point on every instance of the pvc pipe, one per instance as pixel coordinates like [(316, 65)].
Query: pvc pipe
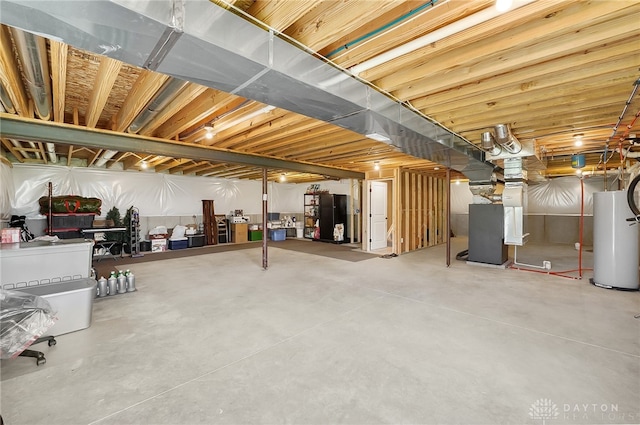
[(51, 151), (581, 227), (107, 155)]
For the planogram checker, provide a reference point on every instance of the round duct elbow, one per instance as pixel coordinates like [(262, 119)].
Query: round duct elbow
[(488, 144), (506, 139)]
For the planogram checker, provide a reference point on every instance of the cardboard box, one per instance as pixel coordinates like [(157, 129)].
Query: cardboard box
[(11, 235), (158, 245), (159, 236)]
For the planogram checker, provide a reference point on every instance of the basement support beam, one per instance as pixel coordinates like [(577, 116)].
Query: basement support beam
[(265, 259), (44, 131)]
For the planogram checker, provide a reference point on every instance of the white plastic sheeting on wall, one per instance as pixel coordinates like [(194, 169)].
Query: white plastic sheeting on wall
[(559, 196), (7, 192), (154, 194), (461, 197)]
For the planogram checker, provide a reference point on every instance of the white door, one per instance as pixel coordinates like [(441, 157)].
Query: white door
[(378, 215)]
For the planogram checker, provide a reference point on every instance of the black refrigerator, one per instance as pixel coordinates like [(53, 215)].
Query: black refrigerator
[(332, 211)]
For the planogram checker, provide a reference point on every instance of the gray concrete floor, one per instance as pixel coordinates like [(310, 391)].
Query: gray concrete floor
[(313, 340)]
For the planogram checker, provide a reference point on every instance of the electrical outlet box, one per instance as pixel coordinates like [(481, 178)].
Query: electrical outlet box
[(546, 265)]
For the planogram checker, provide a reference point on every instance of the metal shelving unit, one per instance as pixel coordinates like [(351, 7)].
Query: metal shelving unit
[(311, 213), (134, 232)]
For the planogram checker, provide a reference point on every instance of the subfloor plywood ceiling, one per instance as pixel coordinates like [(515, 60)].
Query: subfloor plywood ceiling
[(555, 72)]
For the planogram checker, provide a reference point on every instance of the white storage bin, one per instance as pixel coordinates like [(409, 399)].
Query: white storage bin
[(72, 300), (38, 263)]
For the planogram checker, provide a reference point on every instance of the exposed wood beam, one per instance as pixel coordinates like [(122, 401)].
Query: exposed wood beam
[(170, 164), (488, 63), (42, 152), (15, 152), (334, 18), (280, 14), (107, 73), (143, 90), (284, 126), (94, 158), (204, 108), (59, 54), (563, 70), (481, 114), (69, 155), (437, 17), (180, 167), (10, 75), (186, 96), (4, 160)]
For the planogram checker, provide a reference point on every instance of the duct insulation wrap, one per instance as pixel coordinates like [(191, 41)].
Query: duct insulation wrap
[(615, 242)]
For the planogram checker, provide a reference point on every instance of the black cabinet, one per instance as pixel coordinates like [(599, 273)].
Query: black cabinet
[(486, 234), (332, 211)]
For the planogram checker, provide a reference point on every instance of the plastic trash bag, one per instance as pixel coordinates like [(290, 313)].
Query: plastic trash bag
[(23, 319)]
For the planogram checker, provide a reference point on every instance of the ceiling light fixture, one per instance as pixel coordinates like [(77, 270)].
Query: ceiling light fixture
[(436, 168), (376, 165), (578, 139), (378, 137), (283, 177), (209, 128), (143, 164)]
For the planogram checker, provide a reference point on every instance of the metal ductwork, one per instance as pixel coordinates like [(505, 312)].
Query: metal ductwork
[(224, 51), (507, 140), (169, 90), (35, 64), (488, 143)]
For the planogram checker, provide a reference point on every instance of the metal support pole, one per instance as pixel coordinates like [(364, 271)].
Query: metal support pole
[(265, 260), (448, 214)]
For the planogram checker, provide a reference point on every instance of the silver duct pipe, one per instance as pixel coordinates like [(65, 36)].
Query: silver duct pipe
[(169, 90), (488, 143), (35, 65), (255, 63), (107, 155), (506, 139)]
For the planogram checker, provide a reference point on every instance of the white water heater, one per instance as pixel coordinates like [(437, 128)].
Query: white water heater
[(615, 242)]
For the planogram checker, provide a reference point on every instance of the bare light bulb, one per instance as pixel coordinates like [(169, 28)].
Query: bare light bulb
[(209, 135), (376, 165), (283, 178), (144, 164)]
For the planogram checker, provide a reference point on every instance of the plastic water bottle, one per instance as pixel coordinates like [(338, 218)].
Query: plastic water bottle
[(102, 287), (112, 284), (122, 283), (131, 282)]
